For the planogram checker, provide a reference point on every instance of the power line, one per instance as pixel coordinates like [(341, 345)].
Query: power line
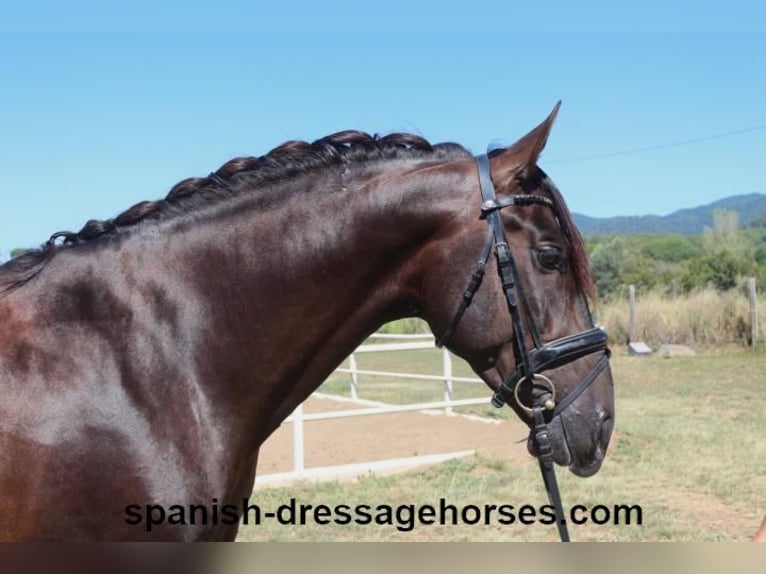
[(658, 146)]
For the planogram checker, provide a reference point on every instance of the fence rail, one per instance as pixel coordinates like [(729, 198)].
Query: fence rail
[(414, 376), (411, 343)]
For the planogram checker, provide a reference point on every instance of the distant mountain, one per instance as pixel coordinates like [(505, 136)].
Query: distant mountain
[(691, 221)]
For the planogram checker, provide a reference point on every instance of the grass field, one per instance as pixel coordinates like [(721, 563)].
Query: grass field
[(689, 448)]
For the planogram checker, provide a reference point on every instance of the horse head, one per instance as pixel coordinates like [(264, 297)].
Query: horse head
[(526, 327)]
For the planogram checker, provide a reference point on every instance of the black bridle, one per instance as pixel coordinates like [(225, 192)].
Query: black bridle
[(543, 356)]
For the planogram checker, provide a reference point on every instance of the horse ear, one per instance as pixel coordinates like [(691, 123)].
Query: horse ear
[(518, 160)]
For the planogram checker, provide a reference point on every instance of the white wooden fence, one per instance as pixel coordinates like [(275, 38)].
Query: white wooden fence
[(402, 343)]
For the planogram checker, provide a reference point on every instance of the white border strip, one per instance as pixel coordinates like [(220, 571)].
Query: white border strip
[(390, 409), (414, 376), (387, 347)]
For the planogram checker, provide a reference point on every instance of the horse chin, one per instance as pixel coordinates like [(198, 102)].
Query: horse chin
[(590, 467), (583, 462)]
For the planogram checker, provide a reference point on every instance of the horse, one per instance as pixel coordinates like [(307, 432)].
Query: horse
[(144, 359)]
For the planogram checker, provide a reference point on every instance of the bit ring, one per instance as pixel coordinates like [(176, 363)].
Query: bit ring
[(549, 404)]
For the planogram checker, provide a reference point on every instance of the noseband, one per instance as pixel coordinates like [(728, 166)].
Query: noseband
[(543, 356)]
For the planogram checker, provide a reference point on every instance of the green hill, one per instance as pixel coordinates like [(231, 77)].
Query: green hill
[(750, 207)]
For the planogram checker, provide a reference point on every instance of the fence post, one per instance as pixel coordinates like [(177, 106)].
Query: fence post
[(354, 380), (751, 295), (447, 363), (632, 316), (298, 465)]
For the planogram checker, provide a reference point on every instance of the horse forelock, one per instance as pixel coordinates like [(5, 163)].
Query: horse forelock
[(577, 252)]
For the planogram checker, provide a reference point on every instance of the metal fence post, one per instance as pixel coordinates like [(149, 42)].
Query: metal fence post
[(753, 300), (354, 380), (298, 464), (447, 363), (632, 313)]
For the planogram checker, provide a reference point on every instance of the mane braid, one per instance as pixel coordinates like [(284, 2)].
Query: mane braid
[(287, 160)]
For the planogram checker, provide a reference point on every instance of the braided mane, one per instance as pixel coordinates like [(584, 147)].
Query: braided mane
[(288, 160)]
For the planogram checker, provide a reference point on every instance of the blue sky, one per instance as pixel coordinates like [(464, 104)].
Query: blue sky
[(92, 122)]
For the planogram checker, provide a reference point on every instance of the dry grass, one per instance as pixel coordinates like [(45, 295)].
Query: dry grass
[(701, 319)]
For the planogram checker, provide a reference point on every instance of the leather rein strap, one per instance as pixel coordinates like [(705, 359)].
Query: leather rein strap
[(543, 356)]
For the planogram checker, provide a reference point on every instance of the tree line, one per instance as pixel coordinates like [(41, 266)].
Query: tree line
[(720, 258)]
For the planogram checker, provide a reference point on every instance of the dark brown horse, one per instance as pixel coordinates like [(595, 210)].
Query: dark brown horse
[(144, 359)]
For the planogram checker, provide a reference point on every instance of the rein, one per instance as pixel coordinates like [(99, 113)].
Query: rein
[(543, 356)]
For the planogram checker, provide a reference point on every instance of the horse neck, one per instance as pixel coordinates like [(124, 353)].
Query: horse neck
[(289, 292)]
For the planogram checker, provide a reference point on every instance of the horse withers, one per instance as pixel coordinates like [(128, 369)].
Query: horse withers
[(145, 359)]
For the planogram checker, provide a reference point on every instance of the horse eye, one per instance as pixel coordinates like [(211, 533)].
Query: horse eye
[(550, 258)]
